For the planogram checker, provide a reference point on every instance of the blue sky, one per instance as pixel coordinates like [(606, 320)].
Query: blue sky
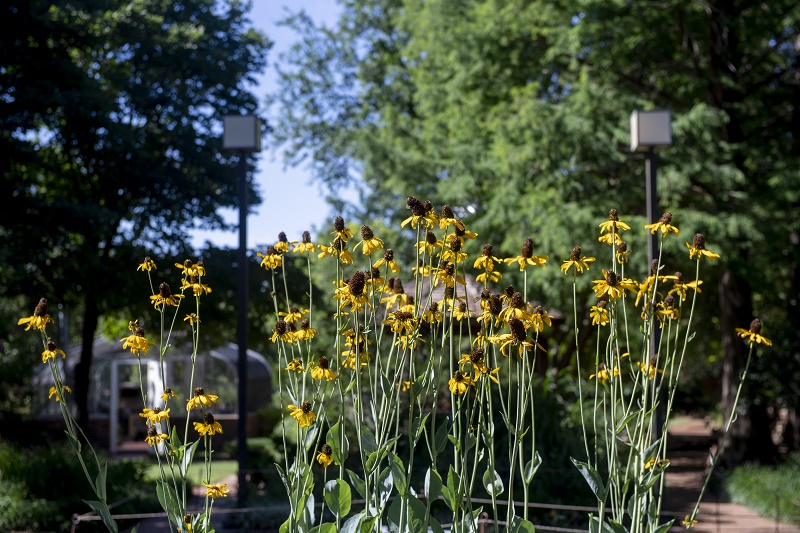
[(291, 203)]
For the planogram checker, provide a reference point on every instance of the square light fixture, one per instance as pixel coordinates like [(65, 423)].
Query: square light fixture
[(650, 129), (241, 133)]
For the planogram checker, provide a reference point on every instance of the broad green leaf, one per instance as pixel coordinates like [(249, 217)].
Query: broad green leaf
[(337, 496), (624, 422), (617, 527), (596, 527), (368, 442), (311, 436), (188, 457), (442, 433), (353, 523), (327, 527), (399, 474), (493, 483), (520, 525), (433, 485), (663, 528), (592, 478), (532, 467), (435, 525), (357, 483), (385, 485)]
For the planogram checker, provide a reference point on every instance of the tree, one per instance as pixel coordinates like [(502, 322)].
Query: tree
[(111, 122), (518, 111)]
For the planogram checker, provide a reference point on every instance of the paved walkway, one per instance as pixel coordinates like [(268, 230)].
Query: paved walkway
[(689, 444)]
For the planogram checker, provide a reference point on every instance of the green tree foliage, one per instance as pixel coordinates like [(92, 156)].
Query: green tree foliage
[(111, 130), (517, 112)]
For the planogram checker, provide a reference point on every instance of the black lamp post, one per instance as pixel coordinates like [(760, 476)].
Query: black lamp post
[(242, 134)]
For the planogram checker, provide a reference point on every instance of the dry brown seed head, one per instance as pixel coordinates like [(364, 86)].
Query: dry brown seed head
[(198, 391), (357, 283), (455, 243), (323, 363), (282, 237), (622, 246), (338, 223), (516, 301), (487, 250), (326, 450), (447, 212), (306, 407), (669, 301), (164, 290), (280, 327), (430, 237), (611, 278), (699, 241), (666, 218), (527, 248), (613, 216), (306, 237), (517, 329), (366, 233), (477, 355), (388, 255), (575, 254), (428, 206), (397, 286), (495, 304), (755, 326), (41, 308), (51, 345), (654, 267)]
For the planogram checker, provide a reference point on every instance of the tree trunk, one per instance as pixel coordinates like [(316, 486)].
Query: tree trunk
[(82, 369)]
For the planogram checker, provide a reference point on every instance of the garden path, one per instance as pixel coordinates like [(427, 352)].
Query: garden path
[(689, 442)]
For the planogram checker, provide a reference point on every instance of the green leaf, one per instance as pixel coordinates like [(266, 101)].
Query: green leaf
[(385, 485), (433, 485), (493, 483), (417, 427), (592, 478), (520, 525), (442, 433), (284, 528), (596, 527), (532, 467), (353, 523), (624, 422), (663, 528), (617, 527), (188, 457), (399, 474), (449, 498), (327, 527), (368, 526), (100, 482), (357, 483), (168, 499), (73, 441), (311, 436), (284, 479), (435, 525), (102, 511), (338, 497), (335, 441), (368, 442)]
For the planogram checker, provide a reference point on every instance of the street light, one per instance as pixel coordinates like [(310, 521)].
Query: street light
[(242, 134), (651, 130)]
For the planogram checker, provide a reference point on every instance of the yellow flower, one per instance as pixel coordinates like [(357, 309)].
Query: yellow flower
[(165, 296), (296, 366), (305, 245), (421, 214), (189, 269), (154, 437), (754, 334), (167, 394), (432, 314), (398, 296), (461, 312), (526, 257), (54, 392), (459, 383), (388, 260), (201, 399), (517, 338), (612, 285), (446, 273), (324, 457), (294, 314), (517, 308), (576, 261), (40, 318), (454, 252), (688, 522), (51, 352), (658, 464), (154, 416), (147, 265), (306, 332), (599, 314), (352, 294), (649, 368), (430, 245), (192, 318), (217, 490), (622, 252), (199, 289), (448, 219), (369, 242), (323, 371), (680, 287), (603, 375), (341, 231), (136, 341), (349, 360), (337, 250), (208, 426), (303, 414), (539, 319), (282, 246), (409, 341), (613, 224), (698, 248), (667, 309), (401, 322), (272, 259), (664, 225)]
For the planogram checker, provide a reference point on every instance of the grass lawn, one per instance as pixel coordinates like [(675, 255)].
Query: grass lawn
[(771, 491), (219, 470)]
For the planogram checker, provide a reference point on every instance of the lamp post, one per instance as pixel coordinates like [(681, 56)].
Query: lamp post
[(651, 130), (242, 134)]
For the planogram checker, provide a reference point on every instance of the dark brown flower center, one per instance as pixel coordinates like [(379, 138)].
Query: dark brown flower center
[(357, 283), (666, 218), (397, 286), (306, 407), (430, 238), (41, 308), (455, 243), (338, 224), (198, 391), (613, 216), (326, 450), (699, 241), (323, 363), (611, 279), (164, 290), (280, 327), (487, 250), (517, 329), (447, 212), (417, 209), (527, 248), (495, 304), (516, 301), (476, 357), (755, 326), (306, 237), (575, 254), (282, 237), (388, 255), (51, 346), (366, 233)]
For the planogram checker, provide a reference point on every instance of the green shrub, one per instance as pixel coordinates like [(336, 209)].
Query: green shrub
[(768, 490)]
